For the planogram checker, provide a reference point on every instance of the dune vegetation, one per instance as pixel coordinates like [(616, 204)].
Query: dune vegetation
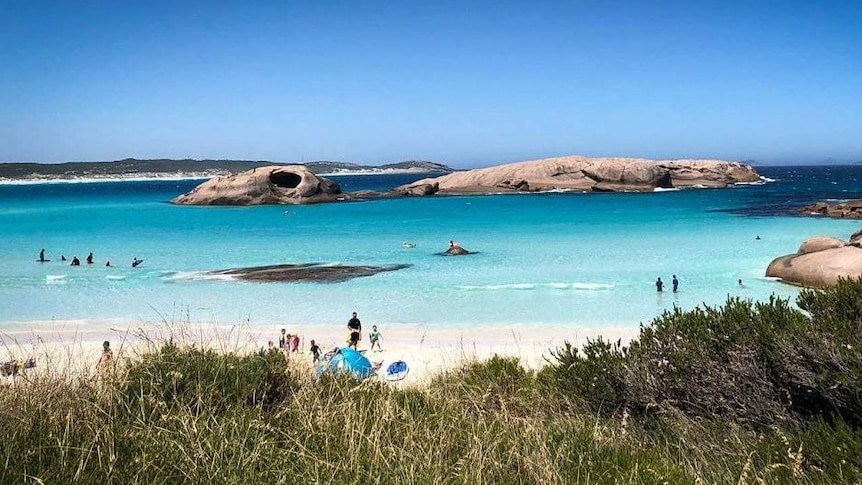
[(765, 393)]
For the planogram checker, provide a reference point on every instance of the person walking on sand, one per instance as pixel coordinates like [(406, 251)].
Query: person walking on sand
[(315, 352), (675, 283), (282, 340), (659, 285), (374, 337), (354, 326)]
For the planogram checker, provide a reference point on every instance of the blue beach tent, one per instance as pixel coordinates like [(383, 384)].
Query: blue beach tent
[(347, 360)]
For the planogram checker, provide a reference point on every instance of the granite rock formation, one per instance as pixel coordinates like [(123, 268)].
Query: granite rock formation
[(290, 184), (819, 262), (455, 251), (851, 209), (582, 174)]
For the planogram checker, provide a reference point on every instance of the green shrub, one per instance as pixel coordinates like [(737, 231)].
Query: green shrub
[(753, 363), (206, 379)]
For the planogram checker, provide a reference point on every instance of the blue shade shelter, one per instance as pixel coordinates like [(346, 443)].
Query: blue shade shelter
[(348, 360)]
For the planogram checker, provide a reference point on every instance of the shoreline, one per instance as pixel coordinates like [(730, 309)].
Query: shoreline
[(75, 346), (172, 177)]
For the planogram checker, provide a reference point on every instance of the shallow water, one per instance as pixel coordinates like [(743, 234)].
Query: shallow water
[(562, 259)]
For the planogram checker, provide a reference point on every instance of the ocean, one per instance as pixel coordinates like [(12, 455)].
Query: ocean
[(579, 260)]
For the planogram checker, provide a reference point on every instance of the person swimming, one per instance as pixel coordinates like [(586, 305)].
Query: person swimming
[(137, 262), (75, 261)]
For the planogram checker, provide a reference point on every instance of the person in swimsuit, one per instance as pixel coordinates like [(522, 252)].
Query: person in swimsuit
[(75, 261), (659, 285), (90, 258), (675, 283)]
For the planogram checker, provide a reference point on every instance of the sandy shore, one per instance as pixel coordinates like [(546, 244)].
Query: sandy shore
[(74, 347)]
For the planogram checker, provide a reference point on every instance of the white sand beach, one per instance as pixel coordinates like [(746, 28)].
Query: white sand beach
[(74, 347)]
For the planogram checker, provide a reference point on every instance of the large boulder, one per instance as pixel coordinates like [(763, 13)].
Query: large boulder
[(709, 173), (819, 262), (288, 184), (582, 174)]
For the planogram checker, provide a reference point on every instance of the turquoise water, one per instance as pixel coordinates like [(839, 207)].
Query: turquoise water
[(561, 259)]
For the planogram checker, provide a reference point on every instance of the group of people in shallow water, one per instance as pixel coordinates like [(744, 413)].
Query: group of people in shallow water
[(659, 284), (90, 260), (290, 343)]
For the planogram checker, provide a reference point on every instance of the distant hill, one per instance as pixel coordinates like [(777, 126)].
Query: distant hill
[(164, 168)]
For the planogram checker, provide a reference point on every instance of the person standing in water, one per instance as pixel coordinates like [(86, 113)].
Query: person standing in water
[(90, 258), (675, 283), (659, 285)]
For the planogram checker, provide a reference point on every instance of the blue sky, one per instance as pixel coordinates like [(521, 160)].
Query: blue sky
[(460, 82)]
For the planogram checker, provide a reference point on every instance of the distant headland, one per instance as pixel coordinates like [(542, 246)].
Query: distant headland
[(131, 168)]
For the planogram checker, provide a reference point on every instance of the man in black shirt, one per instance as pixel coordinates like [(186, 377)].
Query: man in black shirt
[(354, 326)]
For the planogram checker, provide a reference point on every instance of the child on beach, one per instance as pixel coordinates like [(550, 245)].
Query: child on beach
[(374, 337)]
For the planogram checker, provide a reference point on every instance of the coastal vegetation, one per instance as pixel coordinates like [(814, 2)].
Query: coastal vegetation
[(132, 167), (749, 392)]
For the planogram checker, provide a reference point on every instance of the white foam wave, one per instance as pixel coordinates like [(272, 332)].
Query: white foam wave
[(582, 286), (510, 286), (533, 286), (115, 277), (56, 278), (666, 189), (197, 276)]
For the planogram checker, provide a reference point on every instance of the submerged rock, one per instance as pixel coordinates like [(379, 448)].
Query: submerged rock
[(289, 184), (455, 251), (313, 272), (582, 174), (819, 262)]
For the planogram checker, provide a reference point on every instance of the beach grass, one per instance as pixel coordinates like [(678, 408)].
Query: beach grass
[(190, 413)]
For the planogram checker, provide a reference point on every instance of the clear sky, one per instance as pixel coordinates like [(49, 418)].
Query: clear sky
[(460, 82)]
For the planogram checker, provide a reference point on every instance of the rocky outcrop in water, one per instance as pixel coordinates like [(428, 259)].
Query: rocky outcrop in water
[(582, 174), (819, 262), (845, 210), (291, 184), (315, 273)]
